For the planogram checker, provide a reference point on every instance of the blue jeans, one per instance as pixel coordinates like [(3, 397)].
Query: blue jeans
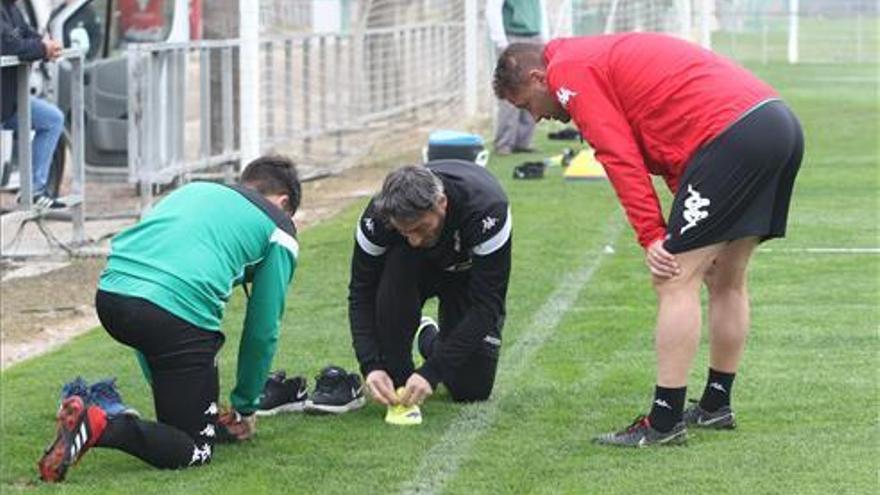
[(48, 123)]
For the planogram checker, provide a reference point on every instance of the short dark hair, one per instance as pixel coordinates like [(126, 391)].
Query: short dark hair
[(408, 193), (274, 174), (514, 64)]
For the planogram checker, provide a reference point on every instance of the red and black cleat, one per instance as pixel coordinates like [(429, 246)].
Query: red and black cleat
[(79, 428)]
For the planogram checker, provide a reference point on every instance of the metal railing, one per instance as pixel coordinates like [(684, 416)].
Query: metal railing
[(158, 115), (322, 98), (25, 210)]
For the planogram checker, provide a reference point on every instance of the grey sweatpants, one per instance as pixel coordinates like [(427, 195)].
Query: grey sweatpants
[(514, 127)]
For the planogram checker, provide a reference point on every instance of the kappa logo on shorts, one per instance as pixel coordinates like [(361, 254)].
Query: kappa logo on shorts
[(693, 209), (208, 431)]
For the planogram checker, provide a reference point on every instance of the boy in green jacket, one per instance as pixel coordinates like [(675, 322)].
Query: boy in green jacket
[(163, 292)]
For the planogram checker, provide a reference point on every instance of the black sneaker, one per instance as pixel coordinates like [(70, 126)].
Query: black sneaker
[(722, 419), (282, 394), (336, 391), (641, 434)]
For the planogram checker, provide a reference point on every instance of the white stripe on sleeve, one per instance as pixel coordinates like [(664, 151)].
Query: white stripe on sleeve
[(497, 240), (285, 240), (366, 244)]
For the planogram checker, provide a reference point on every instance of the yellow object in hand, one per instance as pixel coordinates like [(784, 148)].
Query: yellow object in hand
[(402, 415)]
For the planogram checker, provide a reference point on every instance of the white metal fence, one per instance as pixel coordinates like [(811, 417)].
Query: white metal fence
[(326, 99), (340, 78), (170, 111)]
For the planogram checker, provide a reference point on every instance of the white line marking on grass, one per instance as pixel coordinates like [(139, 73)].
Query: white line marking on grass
[(823, 250), (847, 79), (440, 464)]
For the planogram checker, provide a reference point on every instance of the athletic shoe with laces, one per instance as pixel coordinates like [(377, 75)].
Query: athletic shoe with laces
[(44, 202), (722, 419), (641, 434), (336, 391), (79, 428), (105, 395), (282, 394)]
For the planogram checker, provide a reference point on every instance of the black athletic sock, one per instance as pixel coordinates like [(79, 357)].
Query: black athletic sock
[(717, 392), (666, 411)]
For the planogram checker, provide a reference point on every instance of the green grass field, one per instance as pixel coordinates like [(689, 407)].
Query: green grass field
[(577, 360)]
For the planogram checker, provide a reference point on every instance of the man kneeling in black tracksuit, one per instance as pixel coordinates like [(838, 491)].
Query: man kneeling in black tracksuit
[(440, 230)]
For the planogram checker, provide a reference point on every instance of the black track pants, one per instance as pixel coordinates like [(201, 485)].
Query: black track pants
[(182, 362)]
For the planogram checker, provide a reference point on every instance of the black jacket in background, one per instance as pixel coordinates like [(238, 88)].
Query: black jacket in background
[(16, 38)]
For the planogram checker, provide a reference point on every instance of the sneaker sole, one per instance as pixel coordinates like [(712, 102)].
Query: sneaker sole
[(57, 458), (312, 408), (290, 407)]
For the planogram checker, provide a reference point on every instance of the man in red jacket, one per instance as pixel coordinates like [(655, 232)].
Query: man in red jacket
[(729, 150)]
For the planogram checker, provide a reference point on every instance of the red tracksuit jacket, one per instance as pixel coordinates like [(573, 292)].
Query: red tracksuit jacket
[(646, 103)]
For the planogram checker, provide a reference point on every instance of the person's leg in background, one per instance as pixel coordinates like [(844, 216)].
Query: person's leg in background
[(507, 127), (524, 132), (47, 121), (514, 128)]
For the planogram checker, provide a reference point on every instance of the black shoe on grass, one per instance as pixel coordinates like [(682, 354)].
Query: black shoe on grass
[(722, 419), (336, 391), (282, 394), (641, 434)]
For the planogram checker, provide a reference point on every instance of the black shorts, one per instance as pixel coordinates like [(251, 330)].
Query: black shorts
[(740, 184)]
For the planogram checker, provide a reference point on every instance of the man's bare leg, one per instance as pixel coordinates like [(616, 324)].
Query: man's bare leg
[(678, 315), (728, 325)]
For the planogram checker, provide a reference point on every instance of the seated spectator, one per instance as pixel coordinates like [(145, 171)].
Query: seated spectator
[(17, 38)]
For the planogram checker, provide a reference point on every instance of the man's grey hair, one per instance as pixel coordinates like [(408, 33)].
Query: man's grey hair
[(408, 193)]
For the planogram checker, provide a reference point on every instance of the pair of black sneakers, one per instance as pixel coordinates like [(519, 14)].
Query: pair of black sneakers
[(641, 434), (336, 391)]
